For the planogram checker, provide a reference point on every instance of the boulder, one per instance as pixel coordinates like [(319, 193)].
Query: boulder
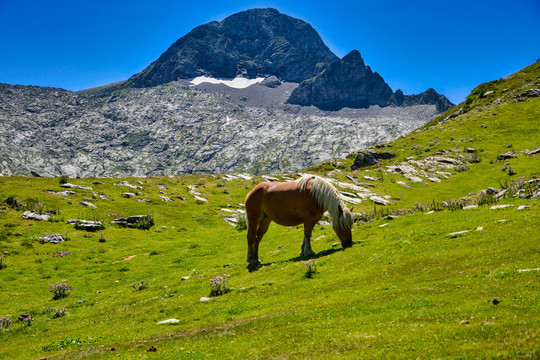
[(368, 158), (271, 82), (14, 204), (130, 221), (507, 155), (380, 201), (85, 203), (73, 186), (34, 216), (87, 225), (53, 238)]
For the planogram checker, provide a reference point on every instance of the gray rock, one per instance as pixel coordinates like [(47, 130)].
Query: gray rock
[(53, 238), (379, 200), (34, 216), (496, 207), (72, 186), (368, 158), (507, 155), (458, 233), (169, 322), (85, 203), (128, 195)]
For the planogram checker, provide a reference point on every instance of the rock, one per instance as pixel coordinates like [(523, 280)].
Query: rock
[(458, 233), (185, 278), (231, 220), (72, 186), (64, 193), (165, 198), (244, 176), (204, 299), (532, 152), (128, 195), (507, 155), (446, 160), (34, 216), (383, 225), (85, 203), (128, 184), (523, 207), (200, 199), (480, 228), (162, 187), (487, 93), (130, 221), (404, 183), (370, 178), (492, 191), (368, 158), (53, 238), (86, 225), (269, 178), (496, 207), (34, 174), (470, 150), (380, 201), (168, 321), (144, 200), (352, 200), (271, 82), (14, 204), (468, 207), (464, 322)]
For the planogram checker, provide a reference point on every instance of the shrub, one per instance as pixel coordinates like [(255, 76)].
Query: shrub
[(59, 312), (242, 223), (59, 291), (34, 205), (63, 179), (218, 285), (145, 223)]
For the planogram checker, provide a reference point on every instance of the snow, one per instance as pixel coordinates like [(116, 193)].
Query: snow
[(237, 83)]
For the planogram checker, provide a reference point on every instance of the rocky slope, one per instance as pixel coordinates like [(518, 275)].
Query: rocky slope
[(175, 128)]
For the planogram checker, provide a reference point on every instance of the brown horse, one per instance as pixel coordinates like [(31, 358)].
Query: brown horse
[(303, 201)]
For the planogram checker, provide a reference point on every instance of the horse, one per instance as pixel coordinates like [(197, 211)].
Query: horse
[(292, 203)]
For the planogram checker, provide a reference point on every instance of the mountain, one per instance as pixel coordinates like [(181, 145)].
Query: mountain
[(251, 43), (350, 83), (263, 42), (268, 96)]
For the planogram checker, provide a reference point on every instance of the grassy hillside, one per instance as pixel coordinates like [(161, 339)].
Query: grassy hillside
[(406, 289)]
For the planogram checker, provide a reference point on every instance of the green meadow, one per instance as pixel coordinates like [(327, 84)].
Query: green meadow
[(407, 289)]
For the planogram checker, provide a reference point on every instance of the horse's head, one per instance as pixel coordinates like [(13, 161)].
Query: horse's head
[(343, 225)]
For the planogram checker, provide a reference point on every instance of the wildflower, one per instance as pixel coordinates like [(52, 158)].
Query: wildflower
[(5, 323), (59, 291), (311, 265), (218, 285)]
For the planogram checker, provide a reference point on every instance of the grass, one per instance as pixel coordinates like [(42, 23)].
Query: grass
[(404, 290)]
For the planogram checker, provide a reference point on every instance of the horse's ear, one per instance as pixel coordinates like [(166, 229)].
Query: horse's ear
[(352, 208), (340, 210)]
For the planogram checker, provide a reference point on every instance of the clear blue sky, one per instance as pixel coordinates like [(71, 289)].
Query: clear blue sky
[(450, 46)]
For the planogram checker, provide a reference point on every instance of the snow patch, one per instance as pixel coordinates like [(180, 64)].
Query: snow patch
[(237, 83)]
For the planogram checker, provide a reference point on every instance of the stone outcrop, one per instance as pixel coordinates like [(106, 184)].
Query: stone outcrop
[(368, 158)]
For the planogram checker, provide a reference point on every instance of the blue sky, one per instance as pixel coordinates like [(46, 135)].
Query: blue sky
[(451, 46)]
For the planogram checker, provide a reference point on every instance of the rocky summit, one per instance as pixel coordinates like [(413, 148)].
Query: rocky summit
[(251, 43), (257, 92)]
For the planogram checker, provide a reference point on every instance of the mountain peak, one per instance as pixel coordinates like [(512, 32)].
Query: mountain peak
[(250, 43)]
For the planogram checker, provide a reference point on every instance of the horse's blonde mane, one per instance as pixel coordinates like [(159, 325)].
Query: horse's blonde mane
[(328, 199)]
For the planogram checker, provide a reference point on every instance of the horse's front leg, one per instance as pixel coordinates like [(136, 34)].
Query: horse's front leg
[(306, 250)]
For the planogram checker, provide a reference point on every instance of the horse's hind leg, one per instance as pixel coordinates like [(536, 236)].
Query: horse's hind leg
[(253, 225)]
